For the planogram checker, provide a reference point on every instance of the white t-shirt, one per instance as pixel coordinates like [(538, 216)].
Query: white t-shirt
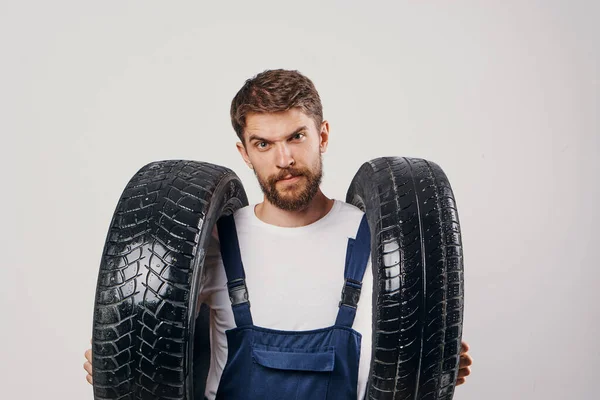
[(294, 278)]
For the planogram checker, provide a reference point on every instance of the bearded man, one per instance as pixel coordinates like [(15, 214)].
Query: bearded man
[(293, 258)]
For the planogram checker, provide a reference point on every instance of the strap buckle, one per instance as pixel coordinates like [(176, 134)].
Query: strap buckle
[(238, 292), (350, 293)]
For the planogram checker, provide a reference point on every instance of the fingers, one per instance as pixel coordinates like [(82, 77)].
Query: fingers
[(88, 365), (88, 368), (464, 372), (465, 361)]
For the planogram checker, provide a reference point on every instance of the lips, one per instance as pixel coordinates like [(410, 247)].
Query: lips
[(289, 178)]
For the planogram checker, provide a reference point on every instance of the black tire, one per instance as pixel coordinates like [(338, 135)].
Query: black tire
[(418, 284), (145, 306)]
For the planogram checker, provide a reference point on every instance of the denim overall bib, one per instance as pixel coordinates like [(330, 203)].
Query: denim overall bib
[(319, 364)]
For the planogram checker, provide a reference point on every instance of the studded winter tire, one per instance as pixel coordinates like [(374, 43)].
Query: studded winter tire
[(145, 306)]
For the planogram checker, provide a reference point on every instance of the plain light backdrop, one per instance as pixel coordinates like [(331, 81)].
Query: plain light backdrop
[(503, 95)]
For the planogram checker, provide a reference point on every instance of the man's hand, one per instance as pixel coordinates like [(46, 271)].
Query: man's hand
[(88, 364), (464, 363)]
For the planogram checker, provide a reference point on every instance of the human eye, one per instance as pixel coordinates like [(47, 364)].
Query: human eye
[(261, 145), (298, 136)]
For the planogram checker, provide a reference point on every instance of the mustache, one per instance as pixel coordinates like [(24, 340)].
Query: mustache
[(283, 174)]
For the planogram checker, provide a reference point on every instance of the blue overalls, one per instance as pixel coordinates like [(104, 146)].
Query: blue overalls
[(268, 364)]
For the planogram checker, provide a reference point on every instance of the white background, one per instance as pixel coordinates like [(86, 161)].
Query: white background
[(503, 95)]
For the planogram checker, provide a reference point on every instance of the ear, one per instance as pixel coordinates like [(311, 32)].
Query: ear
[(242, 150), (324, 136)]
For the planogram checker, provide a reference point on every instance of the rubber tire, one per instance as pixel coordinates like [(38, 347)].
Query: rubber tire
[(147, 290), (418, 287)]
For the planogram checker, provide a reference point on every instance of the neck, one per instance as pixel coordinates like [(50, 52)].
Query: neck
[(318, 207)]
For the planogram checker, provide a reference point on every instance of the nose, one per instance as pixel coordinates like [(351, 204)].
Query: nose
[(284, 156)]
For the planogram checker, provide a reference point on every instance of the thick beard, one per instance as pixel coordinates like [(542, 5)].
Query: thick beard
[(306, 194)]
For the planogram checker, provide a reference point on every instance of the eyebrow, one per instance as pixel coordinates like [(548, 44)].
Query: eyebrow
[(255, 137)]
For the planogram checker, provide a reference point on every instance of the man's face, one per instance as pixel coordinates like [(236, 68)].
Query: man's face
[(285, 151)]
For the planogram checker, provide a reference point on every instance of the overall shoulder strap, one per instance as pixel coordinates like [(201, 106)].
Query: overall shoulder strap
[(357, 258), (234, 269)]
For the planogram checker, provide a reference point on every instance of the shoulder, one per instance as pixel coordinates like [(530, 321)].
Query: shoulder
[(241, 216), (346, 218), (244, 214), (350, 210)]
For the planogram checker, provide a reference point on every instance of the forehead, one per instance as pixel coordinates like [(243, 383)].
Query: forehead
[(276, 125)]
